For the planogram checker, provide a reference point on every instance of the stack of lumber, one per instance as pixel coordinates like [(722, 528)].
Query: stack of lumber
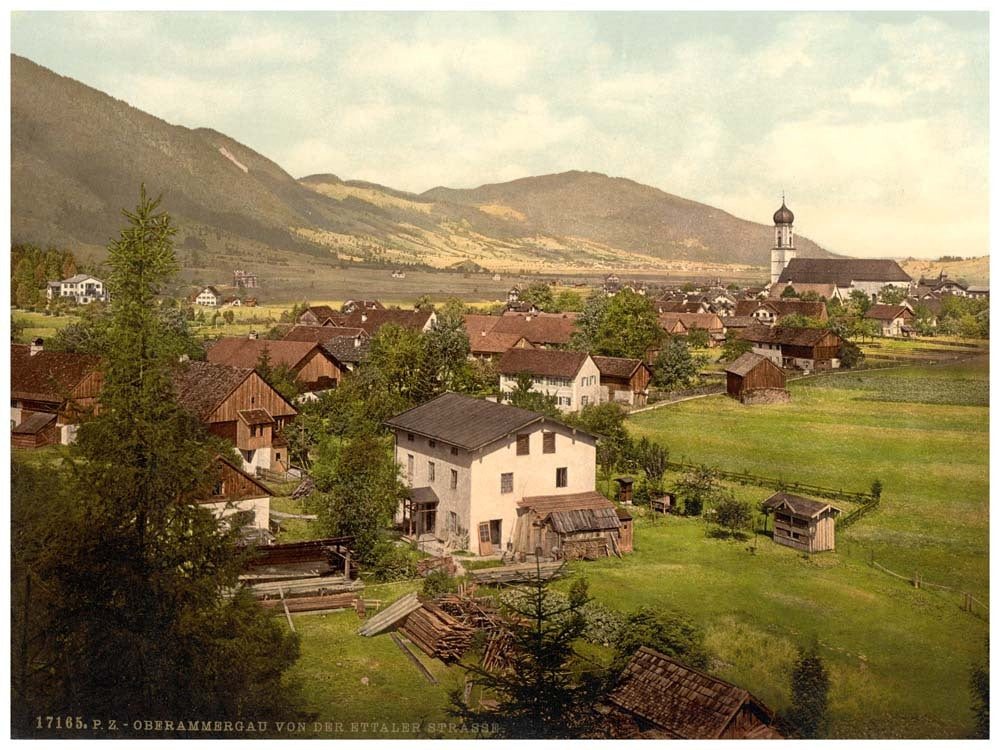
[(390, 616), (437, 633), (315, 603), (477, 612), (434, 564), (499, 647), (521, 573), (309, 586)]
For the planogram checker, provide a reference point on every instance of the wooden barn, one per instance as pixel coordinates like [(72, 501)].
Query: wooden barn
[(802, 348), (626, 379), (803, 524), (659, 698), (37, 431), (582, 525), (753, 378), (312, 364)]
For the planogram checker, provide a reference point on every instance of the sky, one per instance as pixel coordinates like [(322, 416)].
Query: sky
[(874, 125)]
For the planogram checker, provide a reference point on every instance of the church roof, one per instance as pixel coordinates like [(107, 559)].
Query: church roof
[(784, 215), (841, 271)]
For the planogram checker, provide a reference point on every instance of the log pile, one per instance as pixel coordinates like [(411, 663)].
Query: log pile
[(315, 603), (477, 612), (437, 633), (434, 564), (499, 647), (304, 489)]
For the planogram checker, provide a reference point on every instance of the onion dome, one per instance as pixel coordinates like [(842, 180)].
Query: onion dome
[(783, 215)]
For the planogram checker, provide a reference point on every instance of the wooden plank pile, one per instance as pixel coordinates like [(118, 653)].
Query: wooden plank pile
[(477, 612), (437, 633), (520, 573), (307, 586), (499, 647), (345, 600), (391, 616), (434, 564)]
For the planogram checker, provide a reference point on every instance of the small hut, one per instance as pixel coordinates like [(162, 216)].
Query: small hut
[(754, 379), (662, 503), (581, 525), (624, 494), (803, 524), (37, 431)]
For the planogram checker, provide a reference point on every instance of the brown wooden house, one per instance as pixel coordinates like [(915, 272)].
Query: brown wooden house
[(800, 348), (803, 524), (37, 431), (582, 525), (658, 697), (755, 379), (318, 315), (239, 498), (60, 383), (238, 404), (626, 379), (314, 367)]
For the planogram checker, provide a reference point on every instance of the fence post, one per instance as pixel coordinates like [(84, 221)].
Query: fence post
[(916, 579)]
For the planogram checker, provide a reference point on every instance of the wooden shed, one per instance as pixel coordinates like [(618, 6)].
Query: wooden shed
[(803, 524), (658, 697), (581, 525), (624, 494), (754, 378), (36, 431)]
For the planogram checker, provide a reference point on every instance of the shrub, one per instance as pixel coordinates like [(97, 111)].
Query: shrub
[(438, 582), (390, 562)]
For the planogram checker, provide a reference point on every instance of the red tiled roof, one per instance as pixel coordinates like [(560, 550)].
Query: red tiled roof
[(887, 312), (243, 352), (616, 367), (47, 376), (372, 320), (552, 329), (542, 362)]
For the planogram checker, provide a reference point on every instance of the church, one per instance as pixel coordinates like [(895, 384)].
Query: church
[(829, 278)]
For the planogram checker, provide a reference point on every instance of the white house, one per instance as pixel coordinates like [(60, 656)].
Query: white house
[(208, 297), (572, 377), (239, 498), (470, 463), (82, 287)]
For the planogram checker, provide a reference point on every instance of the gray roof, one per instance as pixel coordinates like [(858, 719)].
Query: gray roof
[(424, 496), (464, 421), (745, 363), (34, 424), (77, 278), (841, 271), (798, 506)]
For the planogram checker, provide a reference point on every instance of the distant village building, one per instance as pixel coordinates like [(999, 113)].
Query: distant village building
[(624, 380), (803, 524), (769, 312), (894, 320), (657, 697), (752, 378), (370, 319), (208, 297), (845, 275), (314, 367), (799, 348), (470, 463), (397, 274), (353, 305), (244, 280), (571, 377), (709, 322), (541, 329), (81, 288), (318, 315), (347, 345), (490, 345)]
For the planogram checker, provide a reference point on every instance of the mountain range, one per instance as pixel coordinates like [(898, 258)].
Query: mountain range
[(78, 157)]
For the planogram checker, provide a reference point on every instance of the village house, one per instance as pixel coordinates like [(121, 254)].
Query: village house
[(571, 377), (709, 322), (578, 526), (319, 315), (682, 305), (361, 304), (490, 345), (208, 297), (626, 380), (314, 368), (348, 346), (81, 288), (753, 379), (541, 329), (769, 312), (799, 348), (894, 320), (657, 697), (239, 499), (803, 524), (470, 463), (49, 393), (244, 279), (371, 319), (672, 325), (237, 404)]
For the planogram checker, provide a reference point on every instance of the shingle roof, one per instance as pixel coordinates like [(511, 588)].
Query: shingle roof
[(342, 348), (745, 363), (414, 320), (739, 321), (841, 271), (707, 321), (322, 312), (579, 511), (826, 291), (885, 312), (616, 367), (786, 335), (243, 352), (322, 334), (476, 325), (47, 376), (553, 329), (554, 363), (255, 416), (799, 506), (681, 700), (490, 342), (203, 386), (463, 421), (783, 307), (34, 424)]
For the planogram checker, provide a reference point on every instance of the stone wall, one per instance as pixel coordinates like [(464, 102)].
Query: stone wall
[(765, 396)]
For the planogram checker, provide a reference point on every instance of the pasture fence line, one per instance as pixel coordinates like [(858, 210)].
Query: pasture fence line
[(917, 580), (867, 501)]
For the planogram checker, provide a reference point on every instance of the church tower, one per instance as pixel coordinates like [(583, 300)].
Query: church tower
[(784, 241)]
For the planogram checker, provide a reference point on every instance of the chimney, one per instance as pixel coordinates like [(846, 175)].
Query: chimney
[(483, 332), (364, 316), (252, 335), (357, 341), (36, 346)]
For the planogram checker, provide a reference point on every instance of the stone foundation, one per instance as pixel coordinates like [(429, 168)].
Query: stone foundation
[(765, 396)]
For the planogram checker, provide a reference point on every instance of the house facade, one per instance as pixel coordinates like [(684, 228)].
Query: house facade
[(624, 380), (803, 524), (81, 288), (893, 320), (208, 297), (571, 377), (239, 498), (470, 462), (798, 348)]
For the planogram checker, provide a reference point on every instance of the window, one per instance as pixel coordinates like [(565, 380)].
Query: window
[(430, 471), (453, 521), (454, 451), (219, 488), (432, 443), (562, 476), (409, 467), (409, 437), (454, 479), (565, 401), (277, 456), (548, 442), (523, 444), (584, 400), (507, 482)]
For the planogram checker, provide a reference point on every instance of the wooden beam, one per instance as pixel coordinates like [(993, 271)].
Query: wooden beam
[(412, 657)]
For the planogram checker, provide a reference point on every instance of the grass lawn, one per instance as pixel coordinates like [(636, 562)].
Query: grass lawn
[(39, 325), (924, 432)]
